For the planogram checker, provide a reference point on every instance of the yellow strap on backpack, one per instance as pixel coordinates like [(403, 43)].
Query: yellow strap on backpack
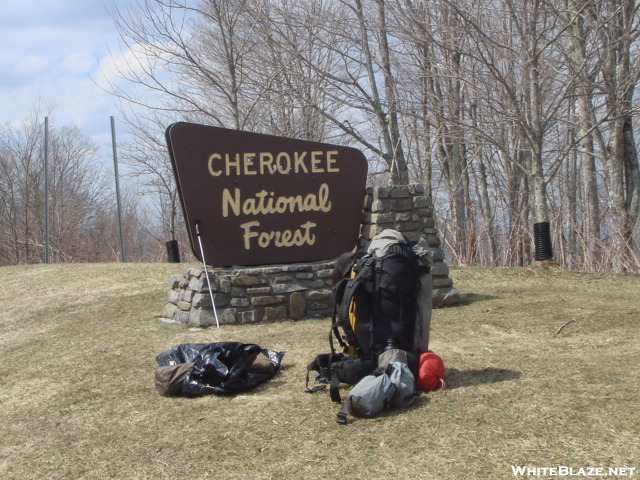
[(351, 350)]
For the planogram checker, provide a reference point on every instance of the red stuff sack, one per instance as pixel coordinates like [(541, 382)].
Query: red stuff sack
[(430, 372)]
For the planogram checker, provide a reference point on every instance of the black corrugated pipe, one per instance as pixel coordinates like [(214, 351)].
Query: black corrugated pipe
[(173, 251), (542, 239)]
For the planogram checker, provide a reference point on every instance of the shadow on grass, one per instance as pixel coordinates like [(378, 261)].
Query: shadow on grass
[(469, 298), (421, 399), (466, 378)]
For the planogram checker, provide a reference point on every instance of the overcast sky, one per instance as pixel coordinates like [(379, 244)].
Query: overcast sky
[(49, 50)]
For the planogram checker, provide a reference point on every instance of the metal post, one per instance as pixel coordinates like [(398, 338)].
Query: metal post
[(115, 168), (46, 190)]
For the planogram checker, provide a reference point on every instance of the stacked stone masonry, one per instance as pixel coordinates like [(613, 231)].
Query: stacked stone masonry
[(251, 295), (296, 291), (409, 210)]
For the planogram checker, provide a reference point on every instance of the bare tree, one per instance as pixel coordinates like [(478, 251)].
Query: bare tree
[(21, 179), (620, 73), (356, 72), (77, 192), (191, 56), (583, 60), (512, 112)]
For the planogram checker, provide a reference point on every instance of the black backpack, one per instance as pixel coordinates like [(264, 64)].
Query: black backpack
[(375, 304), (374, 310)]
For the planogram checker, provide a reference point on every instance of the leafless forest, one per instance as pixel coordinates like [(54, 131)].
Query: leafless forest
[(510, 112)]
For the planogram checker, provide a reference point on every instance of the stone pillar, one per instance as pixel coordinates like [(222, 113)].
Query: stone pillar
[(408, 210)]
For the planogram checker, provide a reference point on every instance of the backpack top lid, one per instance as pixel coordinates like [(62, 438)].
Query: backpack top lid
[(382, 241)]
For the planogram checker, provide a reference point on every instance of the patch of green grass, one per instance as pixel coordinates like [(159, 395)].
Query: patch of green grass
[(77, 399)]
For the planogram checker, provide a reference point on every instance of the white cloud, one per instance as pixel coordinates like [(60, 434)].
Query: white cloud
[(57, 54), (50, 49)]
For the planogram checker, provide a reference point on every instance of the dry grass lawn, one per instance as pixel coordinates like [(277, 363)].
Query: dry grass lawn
[(77, 398)]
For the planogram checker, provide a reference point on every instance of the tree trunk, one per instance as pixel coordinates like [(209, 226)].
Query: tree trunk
[(390, 124)]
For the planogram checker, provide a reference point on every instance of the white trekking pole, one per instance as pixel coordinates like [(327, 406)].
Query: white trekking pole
[(206, 274)]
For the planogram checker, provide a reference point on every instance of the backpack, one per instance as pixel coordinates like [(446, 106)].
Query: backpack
[(375, 303), (376, 317)]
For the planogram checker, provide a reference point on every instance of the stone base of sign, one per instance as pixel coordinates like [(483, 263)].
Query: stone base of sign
[(251, 295), (296, 291)]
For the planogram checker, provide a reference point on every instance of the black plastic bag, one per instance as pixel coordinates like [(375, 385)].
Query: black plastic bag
[(223, 368)]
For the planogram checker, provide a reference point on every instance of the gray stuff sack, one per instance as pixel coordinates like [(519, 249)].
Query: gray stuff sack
[(392, 388), (404, 382)]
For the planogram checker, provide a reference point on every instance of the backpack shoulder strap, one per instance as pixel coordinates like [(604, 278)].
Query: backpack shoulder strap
[(338, 298), (361, 282)]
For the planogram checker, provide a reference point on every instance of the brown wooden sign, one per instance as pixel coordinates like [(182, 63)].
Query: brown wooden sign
[(259, 199)]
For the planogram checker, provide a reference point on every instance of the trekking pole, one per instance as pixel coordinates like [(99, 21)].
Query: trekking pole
[(204, 264)]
